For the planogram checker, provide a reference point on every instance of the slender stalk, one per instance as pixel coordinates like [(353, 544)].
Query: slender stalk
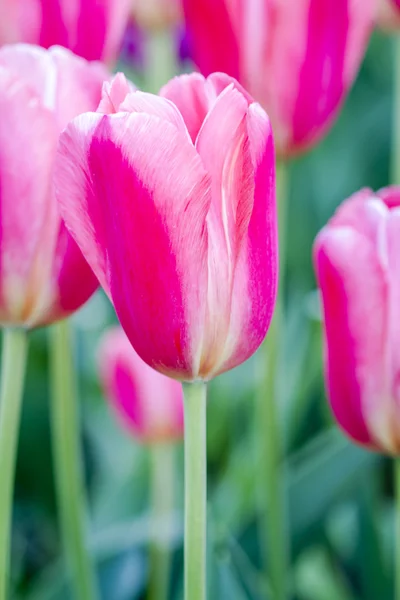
[(162, 492), (395, 162), (195, 491), (397, 528), (274, 540), (13, 363), (161, 59), (68, 463)]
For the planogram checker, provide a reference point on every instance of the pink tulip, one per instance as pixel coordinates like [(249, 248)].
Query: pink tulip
[(357, 261), (298, 58), (389, 14), (43, 276), (92, 29), (173, 205), (148, 404)]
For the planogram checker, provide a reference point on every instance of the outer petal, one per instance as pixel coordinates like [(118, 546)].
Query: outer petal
[(149, 404), (214, 45), (140, 179), (354, 292), (256, 271), (27, 238)]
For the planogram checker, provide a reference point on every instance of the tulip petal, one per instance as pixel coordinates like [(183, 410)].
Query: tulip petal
[(114, 93), (214, 46), (150, 104), (141, 179), (354, 293), (25, 193)]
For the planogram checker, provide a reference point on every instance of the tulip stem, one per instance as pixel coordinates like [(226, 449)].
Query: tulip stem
[(162, 491), (195, 395), (161, 59), (397, 528), (68, 462), (13, 363), (274, 539), (395, 163)]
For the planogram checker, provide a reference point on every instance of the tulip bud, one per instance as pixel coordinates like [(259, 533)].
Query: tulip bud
[(43, 276), (179, 219), (298, 58), (357, 262), (148, 404), (153, 15)]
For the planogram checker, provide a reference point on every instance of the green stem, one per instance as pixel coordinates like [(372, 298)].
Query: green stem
[(195, 490), (68, 463), (274, 538), (161, 59), (15, 346), (397, 528), (162, 492), (395, 162)]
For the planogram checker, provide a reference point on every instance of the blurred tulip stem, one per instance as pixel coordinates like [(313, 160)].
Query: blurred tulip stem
[(195, 490), (13, 362), (68, 462), (395, 162), (274, 539), (163, 503), (161, 59), (396, 466)]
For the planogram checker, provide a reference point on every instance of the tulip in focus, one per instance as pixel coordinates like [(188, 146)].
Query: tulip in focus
[(172, 202), (357, 261), (149, 405), (44, 277), (297, 58), (92, 29)]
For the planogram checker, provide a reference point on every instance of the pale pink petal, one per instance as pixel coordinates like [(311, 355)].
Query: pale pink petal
[(25, 196), (149, 404), (355, 302), (114, 93), (150, 104), (141, 179)]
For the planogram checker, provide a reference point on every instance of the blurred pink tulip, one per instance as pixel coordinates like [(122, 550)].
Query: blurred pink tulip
[(43, 276), (92, 29), (149, 405), (389, 15), (357, 261), (298, 58), (173, 205)]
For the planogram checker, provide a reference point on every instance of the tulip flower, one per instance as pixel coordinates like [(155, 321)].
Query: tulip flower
[(297, 58), (89, 28), (148, 404), (157, 14), (357, 262), (44, 277), (172, 201)]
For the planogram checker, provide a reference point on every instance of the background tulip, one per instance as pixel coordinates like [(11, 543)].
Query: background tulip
[(179, 220), (357, 261), (148, 404), (389, 14), (92, 29), (298, 59), (43, 274)]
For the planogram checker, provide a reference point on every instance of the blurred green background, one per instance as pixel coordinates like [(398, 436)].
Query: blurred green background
[(339, 497)]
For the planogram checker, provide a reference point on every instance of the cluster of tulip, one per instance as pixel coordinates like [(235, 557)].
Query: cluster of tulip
[(167, 201)]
